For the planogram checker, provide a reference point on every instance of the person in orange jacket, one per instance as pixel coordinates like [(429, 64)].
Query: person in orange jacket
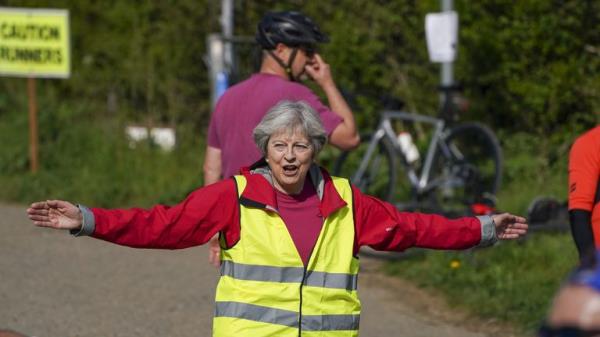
[(584, 191)]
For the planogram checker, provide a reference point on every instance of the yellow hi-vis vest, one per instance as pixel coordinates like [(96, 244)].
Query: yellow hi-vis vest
[(265, 290)]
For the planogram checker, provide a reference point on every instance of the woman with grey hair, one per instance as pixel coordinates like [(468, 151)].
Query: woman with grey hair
[(289, 233), (291, 116)]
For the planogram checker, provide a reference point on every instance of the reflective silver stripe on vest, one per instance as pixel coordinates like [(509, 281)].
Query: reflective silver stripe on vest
[(331, 280), (330, 322), (287, 318), (257, 313), (288, 275), (261, 273)]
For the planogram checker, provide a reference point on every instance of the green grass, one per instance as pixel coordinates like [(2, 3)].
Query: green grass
[(532, 167), (512, 282), (89, 161)]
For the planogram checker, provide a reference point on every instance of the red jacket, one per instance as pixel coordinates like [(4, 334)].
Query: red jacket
[(215, 208)]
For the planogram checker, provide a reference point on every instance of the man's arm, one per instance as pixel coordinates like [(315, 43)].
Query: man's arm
[(212, 174), (212, 165), (581, 228), (345, 135)]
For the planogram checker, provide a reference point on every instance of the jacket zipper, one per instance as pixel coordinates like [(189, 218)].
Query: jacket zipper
[(304, 278), (300, 311)]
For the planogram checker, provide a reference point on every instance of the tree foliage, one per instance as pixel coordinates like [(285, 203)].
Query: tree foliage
[(527, 66)]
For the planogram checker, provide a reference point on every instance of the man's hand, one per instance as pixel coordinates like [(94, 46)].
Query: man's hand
[(214, 252), (55, 214), (319, 71)]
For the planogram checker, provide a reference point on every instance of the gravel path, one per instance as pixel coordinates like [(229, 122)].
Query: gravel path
[(54, 285)]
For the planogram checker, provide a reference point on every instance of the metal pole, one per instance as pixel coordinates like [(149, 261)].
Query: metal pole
[(33, 125), (216, 66), (220, 53), (447, 71), (227, 7)]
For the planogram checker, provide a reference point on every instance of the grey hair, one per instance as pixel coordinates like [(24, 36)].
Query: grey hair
[(291, 116)]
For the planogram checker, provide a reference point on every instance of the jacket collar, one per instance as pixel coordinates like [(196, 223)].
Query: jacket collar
[(259, 191)]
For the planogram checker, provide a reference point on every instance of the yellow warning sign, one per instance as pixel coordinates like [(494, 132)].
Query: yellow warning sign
[(34, 42)]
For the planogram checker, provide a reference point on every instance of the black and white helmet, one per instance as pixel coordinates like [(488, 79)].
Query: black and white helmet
[(291, 28)]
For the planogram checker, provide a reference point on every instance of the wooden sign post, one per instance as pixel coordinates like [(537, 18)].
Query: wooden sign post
[(33, 126)]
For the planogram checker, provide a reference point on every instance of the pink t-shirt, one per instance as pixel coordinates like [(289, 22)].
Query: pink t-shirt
[(302, 217), (242, 107)]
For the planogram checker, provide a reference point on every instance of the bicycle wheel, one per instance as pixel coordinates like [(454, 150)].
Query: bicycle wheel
[(467, 170), (378, 177)]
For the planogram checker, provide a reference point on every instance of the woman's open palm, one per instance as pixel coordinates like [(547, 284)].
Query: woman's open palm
[(55, 214), (510, 227)]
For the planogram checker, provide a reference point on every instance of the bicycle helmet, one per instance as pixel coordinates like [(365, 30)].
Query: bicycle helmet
[(291, 28)]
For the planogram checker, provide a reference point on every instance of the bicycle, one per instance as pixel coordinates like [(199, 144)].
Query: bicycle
[(460, 174)]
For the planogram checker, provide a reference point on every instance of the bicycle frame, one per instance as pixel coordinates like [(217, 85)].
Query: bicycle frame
[(418, 180)]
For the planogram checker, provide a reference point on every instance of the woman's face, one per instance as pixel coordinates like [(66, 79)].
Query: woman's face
[(289, 155)]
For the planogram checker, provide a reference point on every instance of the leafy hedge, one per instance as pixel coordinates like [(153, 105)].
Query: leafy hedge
[(528, 66)]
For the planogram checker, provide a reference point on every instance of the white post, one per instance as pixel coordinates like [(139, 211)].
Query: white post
[(447, 70), (216, 66), (220, 52)]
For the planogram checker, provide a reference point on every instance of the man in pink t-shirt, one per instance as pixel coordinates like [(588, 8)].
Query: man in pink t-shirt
[(289, 41), (241, 108)]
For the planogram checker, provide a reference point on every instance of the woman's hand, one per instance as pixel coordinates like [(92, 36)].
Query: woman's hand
[(55, 214), (510, 227)]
